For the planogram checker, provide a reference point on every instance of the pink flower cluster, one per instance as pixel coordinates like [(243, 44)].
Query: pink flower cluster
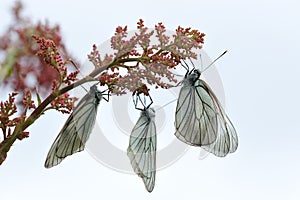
[(7, 109), (95, 58), (63, 103), (150, 66), (49, 52), (27, 101)]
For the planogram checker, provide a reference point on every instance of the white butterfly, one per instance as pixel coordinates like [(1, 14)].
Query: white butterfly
[(200, 119), (142, 147), (77, 129)]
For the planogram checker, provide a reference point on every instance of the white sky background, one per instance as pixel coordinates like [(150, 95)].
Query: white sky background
[(260, 76)]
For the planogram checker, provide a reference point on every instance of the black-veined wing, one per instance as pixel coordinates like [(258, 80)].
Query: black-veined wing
[(195, 117), (227, 140), (77, 129), (142, 148)]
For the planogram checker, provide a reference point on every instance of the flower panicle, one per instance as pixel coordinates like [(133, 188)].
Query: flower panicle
[(124, 47), (27, 100), (51, 55), (49, 52), (7, 109), (63, 103), (186, 40), (95, 58), (164, 40), (143, 37), (151, 65)]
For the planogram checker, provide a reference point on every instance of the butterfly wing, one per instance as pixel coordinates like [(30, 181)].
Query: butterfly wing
[(77, 129), (227, 140), (195, 118), (142, 148)]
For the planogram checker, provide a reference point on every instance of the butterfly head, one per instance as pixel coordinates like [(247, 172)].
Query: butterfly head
[(197, 73), (192, 77), (95, 92)]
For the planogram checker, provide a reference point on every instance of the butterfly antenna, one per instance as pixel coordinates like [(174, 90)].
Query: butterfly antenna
[(75, 65), (178, 75), (214, 61), (166, 104), (201, 60)]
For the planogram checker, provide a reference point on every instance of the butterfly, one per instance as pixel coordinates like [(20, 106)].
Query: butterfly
[(200, 120), (142, 146), (77, 129)]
